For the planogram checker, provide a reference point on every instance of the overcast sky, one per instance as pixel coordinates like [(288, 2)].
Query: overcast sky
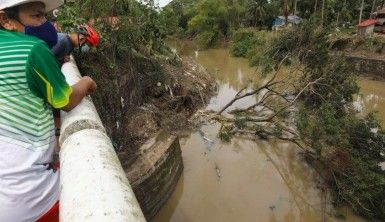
[(163, 2)]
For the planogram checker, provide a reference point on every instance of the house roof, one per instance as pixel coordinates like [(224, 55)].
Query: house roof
[(367, 23), (291, 19)]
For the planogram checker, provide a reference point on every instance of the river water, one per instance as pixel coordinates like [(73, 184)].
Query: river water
[(249, 180)]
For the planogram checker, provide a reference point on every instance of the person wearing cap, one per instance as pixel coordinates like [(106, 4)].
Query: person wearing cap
[(31, 84)]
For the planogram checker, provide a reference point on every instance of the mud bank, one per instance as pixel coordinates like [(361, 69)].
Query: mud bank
[(136, 101)]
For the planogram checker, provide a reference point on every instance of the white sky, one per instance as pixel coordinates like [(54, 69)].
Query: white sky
[(163, 2)]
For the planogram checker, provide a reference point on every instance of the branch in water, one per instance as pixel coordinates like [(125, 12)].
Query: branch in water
[(269, 84)]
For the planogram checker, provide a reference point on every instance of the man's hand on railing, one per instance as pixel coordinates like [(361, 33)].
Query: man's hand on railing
[(81, 89)]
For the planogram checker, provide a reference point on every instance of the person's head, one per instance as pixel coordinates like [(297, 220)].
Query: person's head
[(16, 15), (87, 35), (84, 38)]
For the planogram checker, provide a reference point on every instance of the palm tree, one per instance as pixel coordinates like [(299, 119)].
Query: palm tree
[(256, 10)]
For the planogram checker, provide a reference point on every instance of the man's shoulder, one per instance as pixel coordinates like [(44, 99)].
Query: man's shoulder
[(12, 36), (8, 37)]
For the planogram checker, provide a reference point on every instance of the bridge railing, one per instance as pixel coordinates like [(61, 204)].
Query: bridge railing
[(93, 184)]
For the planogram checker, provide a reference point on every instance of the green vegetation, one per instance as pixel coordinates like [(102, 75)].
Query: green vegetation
[(212, 21), (245, 41), (312, 107), (250, 43), (126, 62)]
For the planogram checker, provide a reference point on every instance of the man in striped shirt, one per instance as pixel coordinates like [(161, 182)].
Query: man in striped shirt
[(31, 84)]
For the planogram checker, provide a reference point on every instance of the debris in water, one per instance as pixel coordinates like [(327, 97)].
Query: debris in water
[(206, 139), (218, 171)]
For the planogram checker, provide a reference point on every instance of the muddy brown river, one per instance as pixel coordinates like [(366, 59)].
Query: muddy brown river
[(247, 180)]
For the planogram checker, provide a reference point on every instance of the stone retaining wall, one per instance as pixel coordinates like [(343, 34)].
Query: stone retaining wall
[(367, 66), (156, 172)]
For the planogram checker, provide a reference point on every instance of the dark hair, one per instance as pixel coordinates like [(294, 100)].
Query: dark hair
[(12, 12)]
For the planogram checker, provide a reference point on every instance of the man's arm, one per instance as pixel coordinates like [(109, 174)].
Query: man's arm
[(80, 90), (46, 80)]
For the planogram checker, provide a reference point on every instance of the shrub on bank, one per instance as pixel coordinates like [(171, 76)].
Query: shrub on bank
[(244, 41), (250, 44), (126, 64)]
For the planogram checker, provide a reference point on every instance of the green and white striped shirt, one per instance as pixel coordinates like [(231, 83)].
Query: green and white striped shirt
[(30, 84)]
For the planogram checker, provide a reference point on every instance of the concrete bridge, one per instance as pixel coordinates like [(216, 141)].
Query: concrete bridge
[(93, 185)]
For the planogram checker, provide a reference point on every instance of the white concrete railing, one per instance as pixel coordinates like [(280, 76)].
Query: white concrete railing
[(93, 184)]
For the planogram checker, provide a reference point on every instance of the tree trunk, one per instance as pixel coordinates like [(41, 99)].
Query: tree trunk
[(286, 12), (338, 19), (361, 9), (323, 11), (343, 6), (373, 8), (315, 6)]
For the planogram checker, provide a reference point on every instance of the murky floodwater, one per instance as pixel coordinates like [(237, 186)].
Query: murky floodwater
[(372, 97), (247, 180)]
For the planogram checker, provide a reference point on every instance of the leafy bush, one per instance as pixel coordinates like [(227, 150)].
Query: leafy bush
[(344, 147), (243, 42), (345, 144), (125, 64)]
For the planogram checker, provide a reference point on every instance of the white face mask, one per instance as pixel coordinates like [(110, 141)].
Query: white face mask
[(85, 48)]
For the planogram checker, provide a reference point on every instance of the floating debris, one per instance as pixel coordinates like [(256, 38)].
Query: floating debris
[(209, 142), (218, 171)]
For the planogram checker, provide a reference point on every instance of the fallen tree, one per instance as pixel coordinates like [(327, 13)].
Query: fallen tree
[(307, 98)]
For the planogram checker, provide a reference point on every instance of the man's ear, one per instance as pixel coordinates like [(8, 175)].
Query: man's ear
[(6, 23), (82, 40)]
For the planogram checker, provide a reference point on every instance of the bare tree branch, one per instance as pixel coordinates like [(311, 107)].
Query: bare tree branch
[(269, 84)]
